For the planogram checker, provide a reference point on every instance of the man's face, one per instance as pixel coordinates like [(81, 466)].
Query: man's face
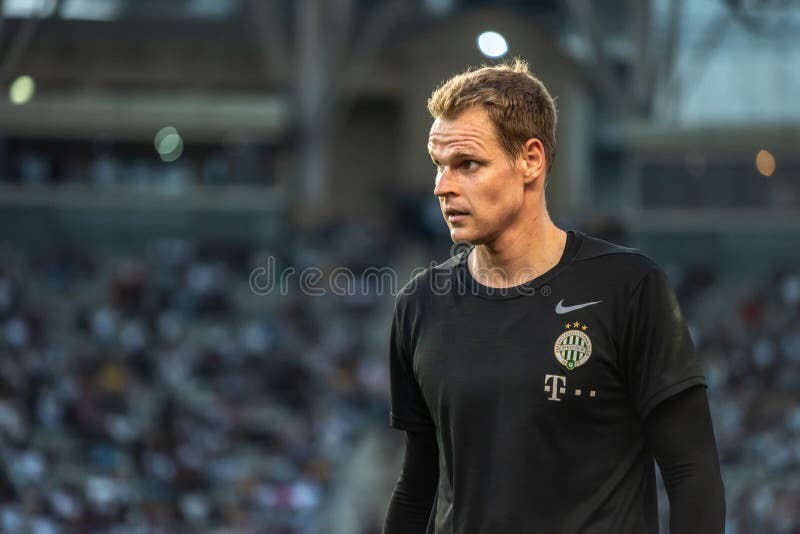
[(480, 190)]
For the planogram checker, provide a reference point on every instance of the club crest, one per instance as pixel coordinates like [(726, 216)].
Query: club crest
[(573, 348)]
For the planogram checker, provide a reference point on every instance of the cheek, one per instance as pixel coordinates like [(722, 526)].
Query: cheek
[(501, 201)]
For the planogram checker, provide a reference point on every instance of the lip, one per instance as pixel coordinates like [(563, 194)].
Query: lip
[(454, 211), (455, 217)]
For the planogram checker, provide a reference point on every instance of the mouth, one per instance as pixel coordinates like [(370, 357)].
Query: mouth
[(454, 211), (454, 215)]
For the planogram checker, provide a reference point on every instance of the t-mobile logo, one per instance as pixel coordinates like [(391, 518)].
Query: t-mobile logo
[(555, 385)]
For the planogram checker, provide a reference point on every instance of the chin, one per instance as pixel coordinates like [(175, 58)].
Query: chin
[(473, 235), (462, 235)]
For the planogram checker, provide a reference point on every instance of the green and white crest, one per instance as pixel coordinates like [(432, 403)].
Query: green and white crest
[(573, 348)]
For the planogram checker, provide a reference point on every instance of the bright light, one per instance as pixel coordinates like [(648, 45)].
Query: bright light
[(168, 143), (21, 90), (492, 44), (765, 162)]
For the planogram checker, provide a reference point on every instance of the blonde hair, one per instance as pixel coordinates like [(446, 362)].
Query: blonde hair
[(518, 104)]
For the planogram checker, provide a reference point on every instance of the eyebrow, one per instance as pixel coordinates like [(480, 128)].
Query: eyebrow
[(460, 155)]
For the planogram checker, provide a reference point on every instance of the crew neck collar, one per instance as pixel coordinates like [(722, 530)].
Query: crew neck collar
[(532, 287)]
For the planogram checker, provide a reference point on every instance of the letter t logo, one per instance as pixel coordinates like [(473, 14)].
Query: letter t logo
[(555, 384)]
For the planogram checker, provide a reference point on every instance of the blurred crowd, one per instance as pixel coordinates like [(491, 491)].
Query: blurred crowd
[(753, 358), (162, 394), (159, 392)]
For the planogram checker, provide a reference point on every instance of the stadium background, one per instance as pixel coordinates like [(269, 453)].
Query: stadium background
[(155, 155)]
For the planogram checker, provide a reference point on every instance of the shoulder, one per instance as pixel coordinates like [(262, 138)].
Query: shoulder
[(628, 263), (426, 282)]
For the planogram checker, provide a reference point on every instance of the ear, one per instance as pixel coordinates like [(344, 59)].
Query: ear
[(532, 160)]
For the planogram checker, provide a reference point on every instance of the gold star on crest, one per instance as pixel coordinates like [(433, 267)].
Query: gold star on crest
[(584, 327), (576, 324)]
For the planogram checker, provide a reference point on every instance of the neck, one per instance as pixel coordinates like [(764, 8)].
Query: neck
[(518, 256)]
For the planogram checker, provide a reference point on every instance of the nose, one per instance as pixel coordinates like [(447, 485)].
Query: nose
[(444, 184)]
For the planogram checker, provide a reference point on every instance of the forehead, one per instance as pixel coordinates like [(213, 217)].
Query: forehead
[(471, 130)]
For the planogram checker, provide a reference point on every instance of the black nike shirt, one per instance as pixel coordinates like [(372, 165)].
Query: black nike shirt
[(537, 393)]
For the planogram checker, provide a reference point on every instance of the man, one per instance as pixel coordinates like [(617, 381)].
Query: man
[(538, 373)]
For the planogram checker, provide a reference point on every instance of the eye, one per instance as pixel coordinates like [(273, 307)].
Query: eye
[(469, 165)]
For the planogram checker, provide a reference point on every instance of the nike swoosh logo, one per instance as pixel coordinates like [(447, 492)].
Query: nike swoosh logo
[(561, 309)]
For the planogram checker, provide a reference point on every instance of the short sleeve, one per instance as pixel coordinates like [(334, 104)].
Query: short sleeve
[(408, 408), (657, 355)]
